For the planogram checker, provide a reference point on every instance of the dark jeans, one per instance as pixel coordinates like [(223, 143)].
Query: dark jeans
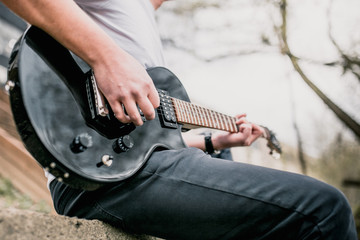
[(186, 194)]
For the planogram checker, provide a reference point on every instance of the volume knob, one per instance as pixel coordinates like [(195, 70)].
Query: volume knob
[(123, 144), (81, 143)]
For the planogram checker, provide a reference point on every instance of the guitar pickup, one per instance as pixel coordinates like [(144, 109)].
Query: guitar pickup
[(96, 99), (166, 110)]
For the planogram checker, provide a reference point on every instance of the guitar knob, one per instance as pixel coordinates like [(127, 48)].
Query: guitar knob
[(81, 143), (123, 144)]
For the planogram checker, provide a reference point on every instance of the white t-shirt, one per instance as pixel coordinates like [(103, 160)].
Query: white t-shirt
[(131, 23)]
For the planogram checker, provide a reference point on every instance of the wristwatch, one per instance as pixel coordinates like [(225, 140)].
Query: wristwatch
[(209, 148)]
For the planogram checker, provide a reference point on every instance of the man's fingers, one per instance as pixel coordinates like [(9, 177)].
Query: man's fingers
[(154, 97), (240, 115), (240, 119), (148, 104), (130, 112), (147, 108), (120, 113), (246, 130), (133, 113)]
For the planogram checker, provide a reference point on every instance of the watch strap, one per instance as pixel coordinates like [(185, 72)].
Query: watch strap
[(209, 148)]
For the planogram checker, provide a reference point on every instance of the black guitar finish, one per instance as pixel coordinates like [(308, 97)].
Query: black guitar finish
[(49, 117)]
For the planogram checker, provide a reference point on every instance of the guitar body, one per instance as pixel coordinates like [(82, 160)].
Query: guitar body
[(49, 116)]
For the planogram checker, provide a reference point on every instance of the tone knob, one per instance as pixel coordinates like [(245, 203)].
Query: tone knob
[(123, 144), (81, 142)]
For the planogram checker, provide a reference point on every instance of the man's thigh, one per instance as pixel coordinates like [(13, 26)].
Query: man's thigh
[(187, 194)]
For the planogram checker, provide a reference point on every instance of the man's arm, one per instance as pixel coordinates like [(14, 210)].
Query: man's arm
[(248, 133), (122, 80)]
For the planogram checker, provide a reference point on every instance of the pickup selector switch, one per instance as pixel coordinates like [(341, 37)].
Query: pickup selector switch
[(123, 144)]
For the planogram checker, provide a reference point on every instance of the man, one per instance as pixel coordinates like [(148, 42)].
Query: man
[(178, 194)]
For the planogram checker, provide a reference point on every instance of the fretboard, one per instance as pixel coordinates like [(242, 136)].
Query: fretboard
[(192, 115)]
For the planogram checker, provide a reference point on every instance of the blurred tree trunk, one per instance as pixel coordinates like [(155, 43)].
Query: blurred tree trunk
[(300, 149), (342, 116)]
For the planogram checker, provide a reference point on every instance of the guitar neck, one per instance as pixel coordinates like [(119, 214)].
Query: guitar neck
[(195, 116)]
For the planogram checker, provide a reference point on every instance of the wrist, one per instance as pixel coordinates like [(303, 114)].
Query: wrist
[(211, 146), (219, 142)]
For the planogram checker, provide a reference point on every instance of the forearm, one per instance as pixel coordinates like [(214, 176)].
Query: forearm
[(197, 141), (68, 24), (247, 134), (120, 77)]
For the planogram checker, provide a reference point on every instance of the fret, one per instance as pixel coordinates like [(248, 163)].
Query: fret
[(223, 116), (190, 117), (195, 114), (175, 104), (215, 122), (220, 120), (203, 118), (234, 124), (183, 111), (192, 114), (211, 124), (226, 122), (196, 118), (178, 112), (187, 112), (230, 124), (200, 116)]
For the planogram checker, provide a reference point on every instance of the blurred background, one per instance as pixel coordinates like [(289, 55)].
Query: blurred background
[(292, 66)]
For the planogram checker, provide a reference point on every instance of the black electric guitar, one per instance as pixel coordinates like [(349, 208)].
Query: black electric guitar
[(67, 125)]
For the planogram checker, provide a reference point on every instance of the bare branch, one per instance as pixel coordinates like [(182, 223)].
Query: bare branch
[(342, 116), (167, 42), (348, 63)]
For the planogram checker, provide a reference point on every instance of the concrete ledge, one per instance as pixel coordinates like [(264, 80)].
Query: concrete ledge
[(27, 225)]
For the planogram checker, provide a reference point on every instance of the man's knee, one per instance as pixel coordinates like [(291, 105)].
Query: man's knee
[(335, 214)]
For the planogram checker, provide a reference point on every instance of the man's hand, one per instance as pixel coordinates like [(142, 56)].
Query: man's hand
[(127, 86), (122, 80), (248, 133)]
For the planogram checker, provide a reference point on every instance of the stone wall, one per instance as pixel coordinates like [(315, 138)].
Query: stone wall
[(18, 224)]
